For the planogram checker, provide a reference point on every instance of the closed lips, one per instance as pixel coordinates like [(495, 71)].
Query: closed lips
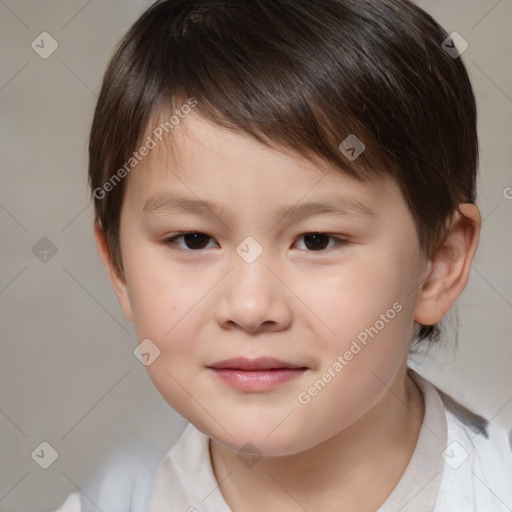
[(260, 364)]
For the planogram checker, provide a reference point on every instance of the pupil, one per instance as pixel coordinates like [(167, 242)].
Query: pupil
[(316, 241), (313, 241), (195, 240)]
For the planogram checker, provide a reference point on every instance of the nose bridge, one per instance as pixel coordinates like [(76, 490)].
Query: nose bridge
[(251, 275), (252, 296)]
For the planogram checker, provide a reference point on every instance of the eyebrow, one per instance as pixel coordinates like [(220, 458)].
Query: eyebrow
[(330, 206)]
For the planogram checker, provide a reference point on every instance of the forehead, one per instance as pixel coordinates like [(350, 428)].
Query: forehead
[(198, 142), (204, 160)]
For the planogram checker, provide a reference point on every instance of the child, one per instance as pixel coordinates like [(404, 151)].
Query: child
[(230, 138)]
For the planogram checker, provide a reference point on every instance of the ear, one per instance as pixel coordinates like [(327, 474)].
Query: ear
[(448, 270), (118, 282)]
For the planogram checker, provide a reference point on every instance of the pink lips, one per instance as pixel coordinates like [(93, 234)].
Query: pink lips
[(256, 375)]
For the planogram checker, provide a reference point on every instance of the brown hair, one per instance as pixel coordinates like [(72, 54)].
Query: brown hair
[(301, 75)]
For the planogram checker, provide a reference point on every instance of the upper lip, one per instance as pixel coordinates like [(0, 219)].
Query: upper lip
[(261, 363)]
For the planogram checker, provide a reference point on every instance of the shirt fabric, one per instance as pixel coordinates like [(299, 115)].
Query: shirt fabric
[(460, 463)]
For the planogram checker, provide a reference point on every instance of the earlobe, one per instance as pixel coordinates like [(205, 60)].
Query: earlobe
[(448, 271), (118, 282)]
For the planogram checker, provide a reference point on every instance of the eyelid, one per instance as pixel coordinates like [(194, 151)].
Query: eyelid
[(340, 241), (170, 240)]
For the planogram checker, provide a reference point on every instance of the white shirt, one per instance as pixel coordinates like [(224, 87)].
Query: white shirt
[(461, 463)]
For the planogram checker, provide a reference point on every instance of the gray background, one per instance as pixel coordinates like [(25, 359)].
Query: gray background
[(68, 375)]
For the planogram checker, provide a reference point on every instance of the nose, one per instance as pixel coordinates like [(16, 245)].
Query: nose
[(253, 298)]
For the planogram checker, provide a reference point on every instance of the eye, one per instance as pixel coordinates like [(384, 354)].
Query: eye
[(320, 241), (193, 240)]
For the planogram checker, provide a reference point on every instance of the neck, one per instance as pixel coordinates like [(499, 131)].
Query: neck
[(335, 474)]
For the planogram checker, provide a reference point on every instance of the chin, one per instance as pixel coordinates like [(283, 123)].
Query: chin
[(263, 438)]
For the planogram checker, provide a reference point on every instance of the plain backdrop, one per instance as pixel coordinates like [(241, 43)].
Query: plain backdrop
[(68, 375)]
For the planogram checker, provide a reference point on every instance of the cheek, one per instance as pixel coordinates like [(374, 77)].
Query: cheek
[(167, 313), (370, 311), (160, 293), (354, 297), (167, 310), (170, 307)]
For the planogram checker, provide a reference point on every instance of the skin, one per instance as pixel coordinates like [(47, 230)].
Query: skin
[(293, 303)]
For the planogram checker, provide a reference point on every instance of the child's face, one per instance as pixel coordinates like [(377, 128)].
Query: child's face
[(207, 304)]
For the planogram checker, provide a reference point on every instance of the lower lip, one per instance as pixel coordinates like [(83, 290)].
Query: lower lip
[(258, 380)]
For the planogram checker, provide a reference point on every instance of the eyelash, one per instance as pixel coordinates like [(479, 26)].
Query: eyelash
[(172, 240)]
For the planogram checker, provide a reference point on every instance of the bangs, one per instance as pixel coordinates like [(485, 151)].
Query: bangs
[(307, 97)]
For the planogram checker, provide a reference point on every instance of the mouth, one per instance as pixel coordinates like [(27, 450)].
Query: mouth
[(256, 375)]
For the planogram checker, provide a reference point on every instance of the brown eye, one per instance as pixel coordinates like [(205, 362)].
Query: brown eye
[(320, 241), (316, 241), (193, 240)]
